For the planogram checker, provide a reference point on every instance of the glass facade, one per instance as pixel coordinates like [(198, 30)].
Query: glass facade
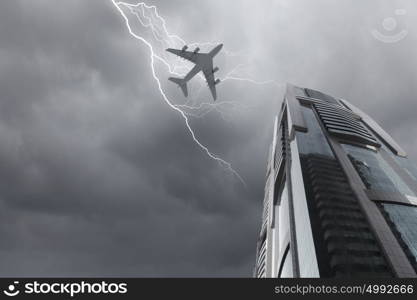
[(344, 242), (304, 232), (314, 141), (375, 172), (404, 221), (408, 166), (322, 151)]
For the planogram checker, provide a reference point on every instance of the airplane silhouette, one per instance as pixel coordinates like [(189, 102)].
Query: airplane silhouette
[(203, 62)]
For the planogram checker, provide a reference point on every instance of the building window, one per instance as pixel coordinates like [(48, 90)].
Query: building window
[(408, 166), (404, 221), (314, 141), (375, 172)]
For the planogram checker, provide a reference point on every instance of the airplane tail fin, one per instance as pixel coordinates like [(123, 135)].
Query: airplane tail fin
[(181, 83)]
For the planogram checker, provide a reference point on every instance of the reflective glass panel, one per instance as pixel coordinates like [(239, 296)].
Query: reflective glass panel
[(404, 219), (375, 171), (408, 166), (314, 140)]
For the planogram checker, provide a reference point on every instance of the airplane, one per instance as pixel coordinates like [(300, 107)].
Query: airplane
[(203, 62)]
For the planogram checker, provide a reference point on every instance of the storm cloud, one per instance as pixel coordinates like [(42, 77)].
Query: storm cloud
[(99, 177)]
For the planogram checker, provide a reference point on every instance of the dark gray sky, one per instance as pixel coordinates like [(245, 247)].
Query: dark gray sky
[(100, 177)]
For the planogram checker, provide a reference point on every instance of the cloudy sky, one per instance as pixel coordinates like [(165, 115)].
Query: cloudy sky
[(101, 177)]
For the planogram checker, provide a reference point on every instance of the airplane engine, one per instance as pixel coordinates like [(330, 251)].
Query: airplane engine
[(217, 81), (184, 48), (196, 50), (215, 69)]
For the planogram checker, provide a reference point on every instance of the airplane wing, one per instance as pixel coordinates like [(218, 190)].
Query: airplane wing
[(208, 73), (188, 55)]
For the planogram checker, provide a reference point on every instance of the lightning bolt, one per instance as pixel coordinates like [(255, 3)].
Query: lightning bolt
[(222, 107), (159, 36)]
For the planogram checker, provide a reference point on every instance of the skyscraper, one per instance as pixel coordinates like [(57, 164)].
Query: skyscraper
[(340, 195)]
